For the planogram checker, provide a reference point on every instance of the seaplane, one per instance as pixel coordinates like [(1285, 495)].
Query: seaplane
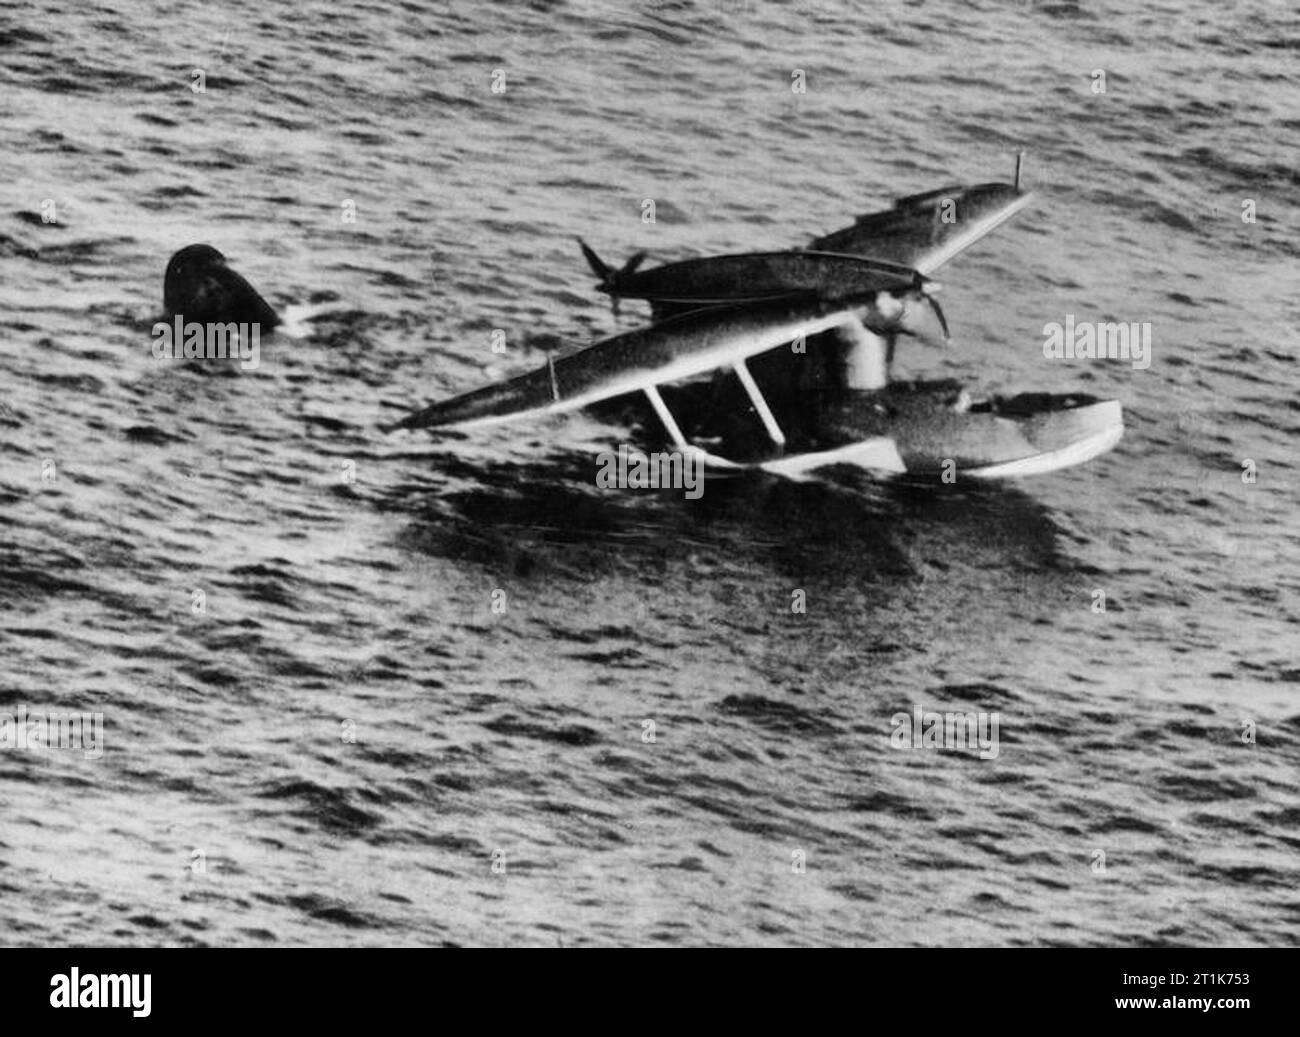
[(799, 343)]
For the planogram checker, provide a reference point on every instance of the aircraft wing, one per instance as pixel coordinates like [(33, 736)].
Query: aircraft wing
[(641, 360), (753, 277), (924, 231)]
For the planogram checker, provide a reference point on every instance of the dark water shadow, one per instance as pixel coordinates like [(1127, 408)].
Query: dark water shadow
[(536, 520)]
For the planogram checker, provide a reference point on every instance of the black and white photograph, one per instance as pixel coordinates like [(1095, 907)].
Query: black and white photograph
[(580, 474)]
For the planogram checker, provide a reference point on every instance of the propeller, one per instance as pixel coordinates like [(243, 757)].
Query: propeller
[(894, 317), (928, 290)]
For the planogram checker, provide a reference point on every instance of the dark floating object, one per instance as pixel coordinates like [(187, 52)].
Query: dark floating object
[(200, 287)]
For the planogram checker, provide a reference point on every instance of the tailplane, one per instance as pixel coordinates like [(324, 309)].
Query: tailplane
[(610, 278)]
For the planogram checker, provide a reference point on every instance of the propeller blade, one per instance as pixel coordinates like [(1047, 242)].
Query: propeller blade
[(943, 321), (927, 289)]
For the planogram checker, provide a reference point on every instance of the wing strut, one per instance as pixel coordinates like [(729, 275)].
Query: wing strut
[(760, 404), (665, 415)]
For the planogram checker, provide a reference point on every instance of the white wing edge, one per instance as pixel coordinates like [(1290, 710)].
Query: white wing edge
[(960, 242), (684, 367)]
